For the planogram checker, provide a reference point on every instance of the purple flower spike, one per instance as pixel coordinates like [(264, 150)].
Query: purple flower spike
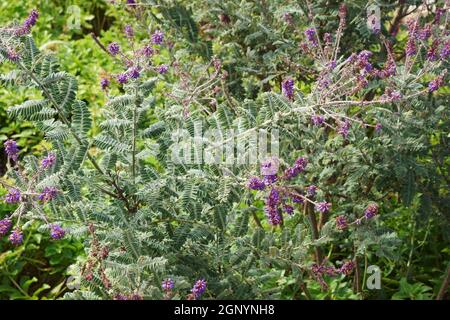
[(122, 78), (199, 288), (16, 237), (168, 284), (371, 211), (347, 268), (104, 83), (11, 149), (134, 73), (344, 128), (436, 84), (12, 55), (323, 206), (56, 232), (378, 127), (129, 32), (311, 191), (5, 225), (288, 88), (113, 48), (297, 199), (162, 69), (48, 161), (148, 51), (318, 120), (311, 36), (48, 194), (298, 167), (13, 196), (157, 37), (255, 183), (288, 209), (341, 222)]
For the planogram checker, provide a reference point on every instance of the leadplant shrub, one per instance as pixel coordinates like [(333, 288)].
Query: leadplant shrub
[(164, 213)]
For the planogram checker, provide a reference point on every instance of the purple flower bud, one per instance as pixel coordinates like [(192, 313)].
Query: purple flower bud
[(311, 191), (168, 284), (445, 51), (5, 225), (425, 33), (113, 48), (16, 236), (287, 17), (344, 128), (341, 222), (255, 183), (12, 55), (273, 215), (122, 78), (288, 209), (297, 199), (48, 161), (11, 149), (411, 47), (104, 83), (378, 127), (371, 211), (199, 288), (29, 22), (287, 88), (318, 120), (134, 73), (13, 196), (56, 232), (129, 32), (323, 206), (147, 51), (298, 167), (273, 199), (436, 83), (162, 69), (310, 34), (347, 268), (157, 37), (48, 194)]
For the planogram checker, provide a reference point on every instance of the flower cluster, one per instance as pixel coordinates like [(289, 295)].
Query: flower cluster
[(16, 196), (168, 284), (16, 237), (298, 167), (57, 232), (288, 88), (13, 196), (29, 22), (136, 62), (319, 271), (11, 149), (48, 161), (5, 225), (371, 211), (199, 288), (48, 194), (279, 195)]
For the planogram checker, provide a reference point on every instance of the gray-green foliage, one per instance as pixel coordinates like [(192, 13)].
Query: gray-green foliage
[(162, 219)]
